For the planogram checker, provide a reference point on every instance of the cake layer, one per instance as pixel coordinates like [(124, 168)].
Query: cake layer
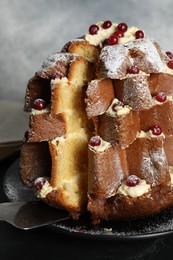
[(114, 60), (83, 49), (37, 87), (69, 171), (168, 147), (45, 127), (160, 113), (100, 94), (134, 91), (146, 158), (35, 161), (77, 69), (161, 82), (107, 168), (121, 207), (115, 125)]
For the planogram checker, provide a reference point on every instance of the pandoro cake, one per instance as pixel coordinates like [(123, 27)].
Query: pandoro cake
[(100, 130)]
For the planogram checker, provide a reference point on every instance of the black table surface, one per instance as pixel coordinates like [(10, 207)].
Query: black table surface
[(45, 243)]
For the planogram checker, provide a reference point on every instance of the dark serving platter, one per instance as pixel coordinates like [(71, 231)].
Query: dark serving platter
[(153, 226)]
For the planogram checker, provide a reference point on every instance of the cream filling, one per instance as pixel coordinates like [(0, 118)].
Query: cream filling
[(129, 75), (100, 148), (148, 134), (169, 98), (104, 34), (168, 70), (129, 35), (135, 191), (43, 111), (119, 110), (47, 188)]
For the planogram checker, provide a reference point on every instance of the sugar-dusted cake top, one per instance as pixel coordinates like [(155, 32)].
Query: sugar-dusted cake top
[(126, 50)]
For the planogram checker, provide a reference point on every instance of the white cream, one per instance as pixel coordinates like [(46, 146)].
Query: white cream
[(47, 188), (169, 98), (148, 134), (168, 70), (104, 34), (129, 35), (118, 110), (135, 191), (100, 148), (101, 35), (43, 111), (128, 75)]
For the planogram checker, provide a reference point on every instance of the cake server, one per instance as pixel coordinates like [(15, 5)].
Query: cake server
[(31, 214)]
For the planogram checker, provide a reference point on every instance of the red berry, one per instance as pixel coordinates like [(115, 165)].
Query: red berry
[(95, 141), (122, 27), (133, 70), (118, 103), (119, 34), (156, 130), (93, 29), (161, 97), (169, 54), (106, 24), (39, 182), (132, 181), (170, 64), (39, 104), (139, 34), (112, 40)]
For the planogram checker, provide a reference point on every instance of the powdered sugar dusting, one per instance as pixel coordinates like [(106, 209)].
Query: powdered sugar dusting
[(136, 92), (56, 62), (115, 60), (153, 165), (148, 59)]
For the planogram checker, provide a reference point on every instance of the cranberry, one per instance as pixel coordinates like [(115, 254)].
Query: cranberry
[(169, 54), (122, 27), (112, 40), (156, 130), (133, 70), (132, 180), (39, 182), (170, 64), (119, 34), (161, 97), (39, 104), (95, 141), (93, 29), (139, 34), (106, 24), (118, 103)]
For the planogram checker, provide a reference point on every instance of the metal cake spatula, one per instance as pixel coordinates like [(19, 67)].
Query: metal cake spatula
[(31, 214)]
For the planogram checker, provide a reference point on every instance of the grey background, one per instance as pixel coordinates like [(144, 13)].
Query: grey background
[(31, 30)]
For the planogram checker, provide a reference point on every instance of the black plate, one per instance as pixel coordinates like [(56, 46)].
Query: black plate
[(158, 225)]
